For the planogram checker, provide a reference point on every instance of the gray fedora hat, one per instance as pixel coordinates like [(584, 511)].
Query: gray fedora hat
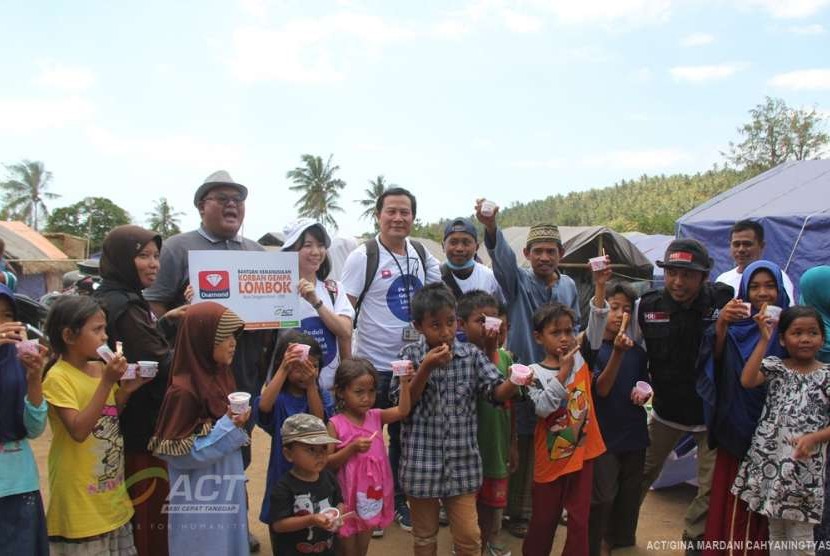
[(218, 179)]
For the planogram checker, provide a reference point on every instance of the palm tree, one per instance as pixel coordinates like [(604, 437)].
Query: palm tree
[(319, 187), (163, 219), (373, 193), (25, 191)]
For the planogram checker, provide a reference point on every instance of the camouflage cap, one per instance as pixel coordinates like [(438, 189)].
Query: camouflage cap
[(305, 428)]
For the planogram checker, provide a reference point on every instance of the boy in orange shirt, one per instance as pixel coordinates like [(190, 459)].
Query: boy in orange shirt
[(567, 437)]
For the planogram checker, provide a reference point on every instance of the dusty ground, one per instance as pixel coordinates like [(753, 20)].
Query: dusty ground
[(661, 518)]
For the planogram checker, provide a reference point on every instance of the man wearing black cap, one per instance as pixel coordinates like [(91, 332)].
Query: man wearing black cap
[(461, 272), (672, 322), (221, 205)]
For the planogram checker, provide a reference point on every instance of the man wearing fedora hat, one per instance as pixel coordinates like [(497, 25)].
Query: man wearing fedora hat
[(221, 205), (525, 291), (672, 322)]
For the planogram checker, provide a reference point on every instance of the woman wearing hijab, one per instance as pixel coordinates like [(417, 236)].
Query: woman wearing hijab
[(201, 440), (732, 411), (814, 290), (22, 416), (129, 264)]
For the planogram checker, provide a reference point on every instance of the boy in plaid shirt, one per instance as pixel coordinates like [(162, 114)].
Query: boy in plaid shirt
[(440, 458)]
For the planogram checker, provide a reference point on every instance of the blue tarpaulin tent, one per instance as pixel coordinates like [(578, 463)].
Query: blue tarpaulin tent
[(791, 202)]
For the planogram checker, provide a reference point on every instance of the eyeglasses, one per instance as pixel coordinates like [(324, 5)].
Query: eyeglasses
[(225, 200)]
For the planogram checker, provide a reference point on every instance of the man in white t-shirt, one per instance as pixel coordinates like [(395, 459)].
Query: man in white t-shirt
[(383, 310), (746, 245), (461, 272)]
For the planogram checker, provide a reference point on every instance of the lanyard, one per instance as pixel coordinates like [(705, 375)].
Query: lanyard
[(406, 277)]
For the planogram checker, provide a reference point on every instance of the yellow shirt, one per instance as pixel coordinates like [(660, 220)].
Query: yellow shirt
[(87, 495)]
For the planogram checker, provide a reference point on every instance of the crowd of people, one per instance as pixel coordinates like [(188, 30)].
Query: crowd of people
[(498, 405)]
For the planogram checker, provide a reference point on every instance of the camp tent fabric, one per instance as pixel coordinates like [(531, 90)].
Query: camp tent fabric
[(791, 202), (653, 246)]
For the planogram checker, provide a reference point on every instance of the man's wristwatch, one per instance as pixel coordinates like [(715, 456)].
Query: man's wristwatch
[(318, 304)]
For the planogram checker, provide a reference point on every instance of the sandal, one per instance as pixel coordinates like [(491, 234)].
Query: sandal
[(517, 529)]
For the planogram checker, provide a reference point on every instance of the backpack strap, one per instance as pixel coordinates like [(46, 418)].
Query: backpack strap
[(331, 287), (449, 280), (422, 254), (372, 262)]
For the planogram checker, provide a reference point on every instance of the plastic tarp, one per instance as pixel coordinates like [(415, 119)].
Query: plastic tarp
[(653, 246), (791, 202)]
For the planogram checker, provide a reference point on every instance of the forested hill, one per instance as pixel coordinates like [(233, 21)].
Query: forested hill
[(650, 204)]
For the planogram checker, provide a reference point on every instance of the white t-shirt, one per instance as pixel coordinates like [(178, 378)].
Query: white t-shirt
[(482, 278), (733, 278), (312, 324), (385, 310)]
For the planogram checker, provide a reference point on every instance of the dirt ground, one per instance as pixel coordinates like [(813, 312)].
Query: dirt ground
[(661, 518)]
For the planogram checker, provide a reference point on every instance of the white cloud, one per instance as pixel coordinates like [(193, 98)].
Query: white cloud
[(255, 8), (642, 159), (483, 144), (699, 74), (179, 149), (451, 28), (697, 39), (814, 29), (551, 163), (310, 50), (29, 115), (803, 80), (636, 12), (65, 78), (788, 9), (643, 74), (521, 23)]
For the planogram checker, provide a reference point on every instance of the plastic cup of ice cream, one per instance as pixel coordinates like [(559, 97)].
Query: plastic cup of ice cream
[(642, 390), (302, 350), (105, 352), (131, 371), (747, 307), (520, 374), (148, 369), (333, 515), (492, 324), (26, 347), (773, 312), (488, 208), (402, 367), (598, 263), (240, 402)]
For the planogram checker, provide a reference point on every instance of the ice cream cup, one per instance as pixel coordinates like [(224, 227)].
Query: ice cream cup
[(240, 402), (302, 349), (26, 347), (598, 263), (105, 352), (333, 515), (492, 324), (643, 390), (773, 312), (520, 374), (130, 373), (748, 307), (488, 208), (148, 369), (402, 367)]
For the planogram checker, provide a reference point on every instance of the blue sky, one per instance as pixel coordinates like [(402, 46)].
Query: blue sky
[(510, 100)]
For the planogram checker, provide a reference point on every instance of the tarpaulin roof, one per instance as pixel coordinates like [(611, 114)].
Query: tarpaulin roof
[(27, 248), (791, 202)]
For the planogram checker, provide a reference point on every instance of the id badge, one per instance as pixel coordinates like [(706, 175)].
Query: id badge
[(410, 334)]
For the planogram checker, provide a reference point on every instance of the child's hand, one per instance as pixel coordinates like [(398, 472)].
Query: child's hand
[(291, 356), (11, 332), (239, 419), (733, 311), (803, 446), (363, 443), (405, 380), (188, 293), (491, 340), (488, 221), (131, 386), (310, 372), (34, 363), (323, 521), (622, 342), (765, 324), (566, 358), (114, 369), (437, 357)]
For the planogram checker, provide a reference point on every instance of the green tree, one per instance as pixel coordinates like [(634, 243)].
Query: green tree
[(91, 218), (163, 219), (24, 192), (777, 133), (372, 194), (320, 189)]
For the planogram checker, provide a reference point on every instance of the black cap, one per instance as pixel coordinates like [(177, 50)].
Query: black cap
[(687, 253), (461, 225)]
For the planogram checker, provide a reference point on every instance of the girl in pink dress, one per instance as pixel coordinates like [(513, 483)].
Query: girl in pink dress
[(361, 461)]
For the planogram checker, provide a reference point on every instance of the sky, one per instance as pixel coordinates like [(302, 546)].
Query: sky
[(509, 100)]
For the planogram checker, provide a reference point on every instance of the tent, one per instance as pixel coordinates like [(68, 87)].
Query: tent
[(38, 263), (791, 202), (653, 246)]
